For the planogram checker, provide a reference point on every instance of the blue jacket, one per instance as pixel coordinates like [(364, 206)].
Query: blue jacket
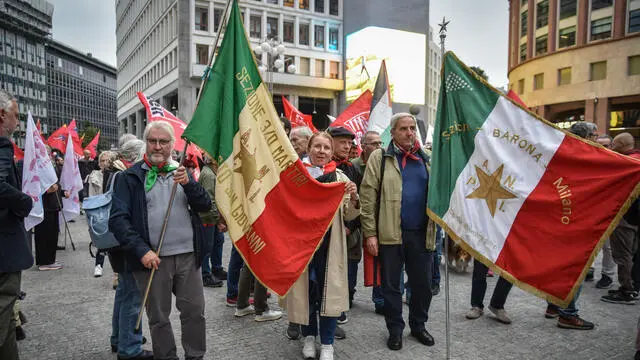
[(129, 222), (14, 207)]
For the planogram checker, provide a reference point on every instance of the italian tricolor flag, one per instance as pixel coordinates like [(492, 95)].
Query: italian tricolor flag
[(529, 200), (276, 213)]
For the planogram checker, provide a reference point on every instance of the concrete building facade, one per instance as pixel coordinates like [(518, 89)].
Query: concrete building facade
[(83, 88), (434, 61), (573, 60), (163, 47)]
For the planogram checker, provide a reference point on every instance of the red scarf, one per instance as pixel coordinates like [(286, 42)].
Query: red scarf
[(326, 169), (342, 162), (411, 154), (150, 165)]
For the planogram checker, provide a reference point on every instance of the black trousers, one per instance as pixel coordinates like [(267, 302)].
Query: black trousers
[(46, 238), (418, 263), (479, 288)]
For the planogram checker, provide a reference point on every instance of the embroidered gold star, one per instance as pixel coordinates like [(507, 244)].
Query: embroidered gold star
[(490, 189)]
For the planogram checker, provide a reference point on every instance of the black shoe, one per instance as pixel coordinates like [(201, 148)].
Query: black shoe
[(114, 348), (380, 310), (590, 275), (394, 342), (293, 331), (605, 282), (212, 281), (620, 297), (435, 289), (20, 334), (144, 355), (424, 337), (72, 221), (220, 274), (61, 247), (23, 318)]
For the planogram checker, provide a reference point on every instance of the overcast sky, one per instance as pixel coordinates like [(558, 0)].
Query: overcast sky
[(478, 32)]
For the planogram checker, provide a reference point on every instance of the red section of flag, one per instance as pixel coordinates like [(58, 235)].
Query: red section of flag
[(282, 253), (40, 132), (296, 117), (356, 116), (155, 112), (77, 143), (18, 154), (513, 96), (566, 215), (58, 139), (93, 145)]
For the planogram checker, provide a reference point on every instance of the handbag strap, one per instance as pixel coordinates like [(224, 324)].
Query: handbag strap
[(112, 180)]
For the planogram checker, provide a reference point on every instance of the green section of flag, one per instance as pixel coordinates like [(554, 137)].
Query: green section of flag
[(232, 79), (386, 137), (464, 104)]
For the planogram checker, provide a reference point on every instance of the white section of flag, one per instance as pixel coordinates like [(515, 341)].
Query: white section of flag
[(71, 181), (488, 238), (37, 173), (380, 116)]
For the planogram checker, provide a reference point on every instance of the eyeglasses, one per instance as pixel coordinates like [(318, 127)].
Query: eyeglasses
[(161, 142), (375, 143)]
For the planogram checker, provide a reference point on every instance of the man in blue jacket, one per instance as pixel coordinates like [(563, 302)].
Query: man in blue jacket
[(140, 200), (15, 205)]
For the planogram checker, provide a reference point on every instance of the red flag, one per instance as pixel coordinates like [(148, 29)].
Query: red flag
[(77, 143), (296, 117), (93, 145), (513, 96), (40, 131), (58, 140), (155, 112), (18, 154), (356, 116)]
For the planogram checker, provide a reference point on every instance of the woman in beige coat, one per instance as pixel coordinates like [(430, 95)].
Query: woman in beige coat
[(322, 290)]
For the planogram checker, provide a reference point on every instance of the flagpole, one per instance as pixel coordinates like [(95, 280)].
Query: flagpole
[(181, 159), (64, 218), (443, 35)]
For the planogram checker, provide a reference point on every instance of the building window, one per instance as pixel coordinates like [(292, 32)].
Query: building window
[(600, 4), (333, 7), (333, 69), (288, 3), (304, 66), (333, 39), (523, 52), (303, 4), (568, 8), (601, 29), (272, 28), (304, 34), (255, 23), (217, 17), (598, 71), (521, 86), (567, 37), (202, 54), (523, 24), (564, 76), (287, 27), (202, 18), (319, 6), (319, 36), (541, 45), (542, 14), (538, 81), (634, 21), (634, 65), (275, 2), (319, 68)]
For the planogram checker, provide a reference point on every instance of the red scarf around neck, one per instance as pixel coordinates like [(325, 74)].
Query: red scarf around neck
[(411, 154)]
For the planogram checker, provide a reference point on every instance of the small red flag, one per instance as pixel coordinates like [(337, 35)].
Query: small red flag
[(77, 143), (58, 140), (356, 116), (93, 145), (296, 117), (18, 154)]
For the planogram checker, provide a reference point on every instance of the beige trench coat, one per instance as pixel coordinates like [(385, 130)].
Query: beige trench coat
[(335, 298)]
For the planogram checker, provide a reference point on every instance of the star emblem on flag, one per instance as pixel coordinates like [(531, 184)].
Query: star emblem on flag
[(490, 189), (248, 167)]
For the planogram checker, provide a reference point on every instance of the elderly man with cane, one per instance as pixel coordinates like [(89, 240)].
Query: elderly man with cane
[(157, 224)]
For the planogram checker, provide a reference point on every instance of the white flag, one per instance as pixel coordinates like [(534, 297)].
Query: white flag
[(71, 181), (37, 173)]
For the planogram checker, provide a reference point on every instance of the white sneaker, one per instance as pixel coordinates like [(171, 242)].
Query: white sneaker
[(269, 315), (326, 352), (97, 272), (309, 347), (246, 311)]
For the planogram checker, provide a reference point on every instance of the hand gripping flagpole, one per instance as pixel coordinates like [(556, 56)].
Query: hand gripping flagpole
[(181, 159), (443, 35)]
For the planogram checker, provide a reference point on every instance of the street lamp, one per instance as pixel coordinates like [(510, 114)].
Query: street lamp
[(274, 63)]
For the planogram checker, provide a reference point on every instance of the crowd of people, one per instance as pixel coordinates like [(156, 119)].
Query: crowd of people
[(383, 214)]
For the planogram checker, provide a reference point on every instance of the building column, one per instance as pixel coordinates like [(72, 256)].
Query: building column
[(531, 31), (602, 114), (589, 110), (619, 18), (553, 26), (130, 121), (583, 22)]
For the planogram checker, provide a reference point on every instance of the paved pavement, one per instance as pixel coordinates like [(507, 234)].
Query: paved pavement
[(69, 313)]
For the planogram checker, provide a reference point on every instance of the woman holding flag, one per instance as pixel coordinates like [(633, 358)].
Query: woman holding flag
[(322, 291)]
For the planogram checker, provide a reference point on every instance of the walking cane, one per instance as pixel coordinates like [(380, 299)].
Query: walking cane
[(181, 159), (66, 227)]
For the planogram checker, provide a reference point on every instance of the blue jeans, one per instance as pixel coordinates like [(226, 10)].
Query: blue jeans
[(352, 275), (317, 273), (213, 242), (572, 309), (437, 256), (233, 273), (327, 326), (126, 307)]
